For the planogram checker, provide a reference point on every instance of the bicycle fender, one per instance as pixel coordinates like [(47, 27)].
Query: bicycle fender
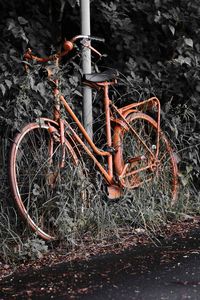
[(46, 121)]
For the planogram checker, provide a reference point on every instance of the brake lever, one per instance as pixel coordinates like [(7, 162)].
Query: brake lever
[(86, 43)]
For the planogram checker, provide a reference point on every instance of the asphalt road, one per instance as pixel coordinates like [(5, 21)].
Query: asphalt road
[(168, 272), (176, 279)]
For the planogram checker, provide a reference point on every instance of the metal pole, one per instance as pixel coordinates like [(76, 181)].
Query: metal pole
[(86, 65)]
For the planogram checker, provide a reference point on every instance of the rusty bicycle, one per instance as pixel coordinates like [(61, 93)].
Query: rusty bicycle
[(48, 153)]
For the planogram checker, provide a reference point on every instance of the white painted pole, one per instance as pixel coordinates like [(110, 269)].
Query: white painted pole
[(86, 65)]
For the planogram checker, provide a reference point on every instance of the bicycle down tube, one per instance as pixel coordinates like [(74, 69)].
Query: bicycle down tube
[(107, 174)]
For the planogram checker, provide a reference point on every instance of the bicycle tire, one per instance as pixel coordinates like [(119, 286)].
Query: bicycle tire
[(43, 192), (162, 179)]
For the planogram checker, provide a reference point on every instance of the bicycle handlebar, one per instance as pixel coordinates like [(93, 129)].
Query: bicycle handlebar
[(68, 46), (89, 37)]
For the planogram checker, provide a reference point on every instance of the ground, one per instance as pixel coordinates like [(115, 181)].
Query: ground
[(173, 233)]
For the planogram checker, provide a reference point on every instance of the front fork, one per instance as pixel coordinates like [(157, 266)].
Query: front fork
[(56, 138)]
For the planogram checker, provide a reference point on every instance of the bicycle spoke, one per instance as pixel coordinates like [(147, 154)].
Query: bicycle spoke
[(138, 167), (45, 193)]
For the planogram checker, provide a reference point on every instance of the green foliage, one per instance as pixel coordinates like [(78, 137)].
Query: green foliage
[(156, 41), (33, 249)]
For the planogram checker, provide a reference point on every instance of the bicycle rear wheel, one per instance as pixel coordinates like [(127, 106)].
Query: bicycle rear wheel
[(137, 167), (48, 197)]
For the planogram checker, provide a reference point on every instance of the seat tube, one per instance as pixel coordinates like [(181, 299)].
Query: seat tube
[(108, 128), (56, 94)]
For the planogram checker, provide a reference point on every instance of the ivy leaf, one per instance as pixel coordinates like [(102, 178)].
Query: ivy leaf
[(8, 83), (198, 88), (189, 168), (22, 21), (188, 42), (40, 88), (183, 60), (78, 93), (11, 24), (3, 89), (73, 2), (172, 29), (184, 179)]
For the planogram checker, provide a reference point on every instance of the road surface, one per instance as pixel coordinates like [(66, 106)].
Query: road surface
[(169, 272)]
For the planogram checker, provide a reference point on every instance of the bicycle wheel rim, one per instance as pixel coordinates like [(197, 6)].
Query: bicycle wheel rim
[(165, 172), (42, 192)]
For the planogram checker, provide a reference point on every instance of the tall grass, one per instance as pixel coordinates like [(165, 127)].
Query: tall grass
[(99, 218)]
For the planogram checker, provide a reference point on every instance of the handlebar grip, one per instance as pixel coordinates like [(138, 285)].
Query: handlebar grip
[(68, 46), (96, 38)]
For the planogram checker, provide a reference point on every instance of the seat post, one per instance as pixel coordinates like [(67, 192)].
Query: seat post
[(108, 125)]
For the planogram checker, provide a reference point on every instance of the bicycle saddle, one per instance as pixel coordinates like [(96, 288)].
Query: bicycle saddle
[(107, 75)]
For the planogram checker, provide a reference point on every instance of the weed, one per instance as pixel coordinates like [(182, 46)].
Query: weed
[(145, 209)]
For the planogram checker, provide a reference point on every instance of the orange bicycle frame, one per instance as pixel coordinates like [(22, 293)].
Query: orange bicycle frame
[(121, 112)]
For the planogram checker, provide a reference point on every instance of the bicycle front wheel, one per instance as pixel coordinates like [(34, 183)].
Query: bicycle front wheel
[(47, 195), (135, 159)]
